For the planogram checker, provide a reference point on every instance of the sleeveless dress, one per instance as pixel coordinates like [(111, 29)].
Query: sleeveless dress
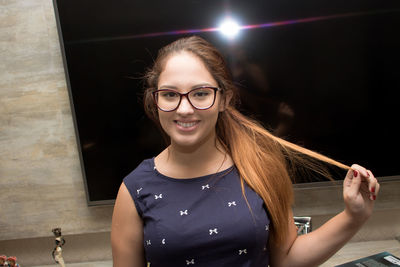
[(199, 222)]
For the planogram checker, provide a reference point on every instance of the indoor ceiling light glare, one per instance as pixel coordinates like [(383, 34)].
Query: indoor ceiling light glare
[(229, 28)]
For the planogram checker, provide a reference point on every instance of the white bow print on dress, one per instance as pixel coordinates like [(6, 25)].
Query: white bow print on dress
[(205, 186), (148, 242), (190, 262), (244, 251), (157, 197), (213, 231), (232, 203), (138, 190), (185, 212)]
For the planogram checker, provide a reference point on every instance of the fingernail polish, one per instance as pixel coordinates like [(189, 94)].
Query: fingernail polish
[(367, 173), (355, 173), (373, 190), (374, 197)]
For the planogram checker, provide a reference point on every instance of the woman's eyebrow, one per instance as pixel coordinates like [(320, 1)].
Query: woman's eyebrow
[(202, 84), (167, 86)]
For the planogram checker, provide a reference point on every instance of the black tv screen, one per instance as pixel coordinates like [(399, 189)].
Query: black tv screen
[(322, 74)]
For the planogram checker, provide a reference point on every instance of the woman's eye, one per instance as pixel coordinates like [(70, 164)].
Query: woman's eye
[(169, 94), (201, 94)]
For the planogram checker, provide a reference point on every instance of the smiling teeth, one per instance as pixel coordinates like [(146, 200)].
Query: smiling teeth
[(186, 124)]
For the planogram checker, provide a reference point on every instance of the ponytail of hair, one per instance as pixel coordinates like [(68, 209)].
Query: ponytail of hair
[(265, 162)]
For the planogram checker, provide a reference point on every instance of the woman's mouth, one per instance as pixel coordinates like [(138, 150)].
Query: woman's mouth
[(186, 124)]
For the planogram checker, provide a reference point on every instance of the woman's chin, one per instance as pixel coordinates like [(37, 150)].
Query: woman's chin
[(188, 145)]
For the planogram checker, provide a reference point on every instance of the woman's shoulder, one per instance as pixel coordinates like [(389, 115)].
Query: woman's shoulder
[(142, 171)]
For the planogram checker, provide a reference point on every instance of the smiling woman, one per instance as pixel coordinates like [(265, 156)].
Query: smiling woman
[(193, 121), (220, 194)]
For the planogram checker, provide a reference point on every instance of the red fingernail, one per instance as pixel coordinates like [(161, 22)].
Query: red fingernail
[(373, 189), (355, 173), (367, 173), (374, 197)]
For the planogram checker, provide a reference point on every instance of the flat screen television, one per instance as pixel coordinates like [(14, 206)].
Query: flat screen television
[(322, 74)]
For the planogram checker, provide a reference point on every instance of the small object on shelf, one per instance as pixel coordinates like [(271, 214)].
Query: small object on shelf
[(57, 251), (3, 260), (12, 262), (303, 224)]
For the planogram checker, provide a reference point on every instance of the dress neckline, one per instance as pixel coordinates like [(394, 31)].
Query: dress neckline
[(192, 179)]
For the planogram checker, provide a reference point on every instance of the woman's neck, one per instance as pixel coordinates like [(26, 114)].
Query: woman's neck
[(185, 162)]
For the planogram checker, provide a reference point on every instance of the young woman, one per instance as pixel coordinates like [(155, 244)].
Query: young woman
[(220, 194)]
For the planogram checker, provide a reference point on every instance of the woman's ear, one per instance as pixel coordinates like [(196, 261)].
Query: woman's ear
[(225, 100)]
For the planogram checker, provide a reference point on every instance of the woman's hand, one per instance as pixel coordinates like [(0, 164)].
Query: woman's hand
[(360, 189)]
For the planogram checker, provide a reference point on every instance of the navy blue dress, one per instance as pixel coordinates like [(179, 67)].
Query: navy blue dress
[(202, 221)]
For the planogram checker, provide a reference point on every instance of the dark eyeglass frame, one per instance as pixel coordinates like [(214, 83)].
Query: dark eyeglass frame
[(185, 95)]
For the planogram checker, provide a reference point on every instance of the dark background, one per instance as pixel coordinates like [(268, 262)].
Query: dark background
[(330, 85)]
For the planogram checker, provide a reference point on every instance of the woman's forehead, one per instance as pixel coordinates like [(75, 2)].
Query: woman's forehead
[(185, 70)]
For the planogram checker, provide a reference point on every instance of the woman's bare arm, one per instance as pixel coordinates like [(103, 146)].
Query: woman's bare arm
[(126, 232), (359, 191)]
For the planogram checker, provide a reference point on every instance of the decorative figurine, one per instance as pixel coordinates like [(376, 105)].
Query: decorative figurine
[(12, 262), (3, 260), (57, 251)]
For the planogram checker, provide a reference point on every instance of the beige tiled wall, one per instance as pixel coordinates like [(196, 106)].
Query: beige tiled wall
[(41, 184)]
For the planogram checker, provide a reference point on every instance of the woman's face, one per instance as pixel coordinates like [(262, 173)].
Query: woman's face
[(186, 126)]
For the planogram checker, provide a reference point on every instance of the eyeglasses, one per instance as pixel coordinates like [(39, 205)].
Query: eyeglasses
[(200, 98)]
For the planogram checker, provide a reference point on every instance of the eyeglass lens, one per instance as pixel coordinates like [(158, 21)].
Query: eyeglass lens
[(200, 98)]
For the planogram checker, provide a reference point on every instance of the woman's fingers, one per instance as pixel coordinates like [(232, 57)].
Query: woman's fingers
[(354, 185), (367, 177), (360, 189), (373, 185), (361, 170)]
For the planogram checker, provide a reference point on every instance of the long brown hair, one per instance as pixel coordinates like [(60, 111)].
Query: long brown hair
[(265, 162)]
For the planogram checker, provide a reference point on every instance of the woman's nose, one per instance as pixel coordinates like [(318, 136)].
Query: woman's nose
[(185, 107)]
